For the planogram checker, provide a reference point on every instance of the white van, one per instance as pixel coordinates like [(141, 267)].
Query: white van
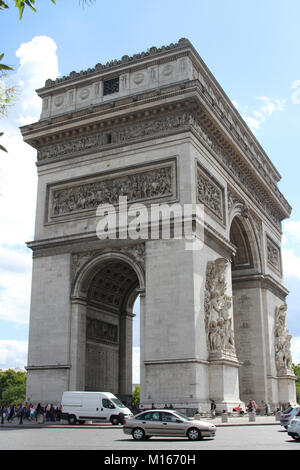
[(93, 406)]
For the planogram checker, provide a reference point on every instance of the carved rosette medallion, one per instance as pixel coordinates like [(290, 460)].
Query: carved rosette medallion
[(283, 358), (218, 316)]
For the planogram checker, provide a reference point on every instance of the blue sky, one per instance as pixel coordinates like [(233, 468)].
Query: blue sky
[(251, 47)]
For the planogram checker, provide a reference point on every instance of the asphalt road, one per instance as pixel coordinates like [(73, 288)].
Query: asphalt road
[(257, 437)]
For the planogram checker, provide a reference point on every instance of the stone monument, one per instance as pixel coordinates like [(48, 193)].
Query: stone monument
[(155, 128)]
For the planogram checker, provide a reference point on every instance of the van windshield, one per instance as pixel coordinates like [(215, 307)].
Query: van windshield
[(118, 403)]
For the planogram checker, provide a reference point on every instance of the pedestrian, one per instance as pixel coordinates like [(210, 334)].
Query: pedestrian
[(32, 413), (255, 407), (11, 414), (213, 407), (171, 406), (48, 407), (52, 413)]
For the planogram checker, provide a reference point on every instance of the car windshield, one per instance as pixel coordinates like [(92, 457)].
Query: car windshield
[(118, 402)]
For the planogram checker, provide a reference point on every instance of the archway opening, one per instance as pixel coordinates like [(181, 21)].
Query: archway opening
[(111, 296), (243, 267)]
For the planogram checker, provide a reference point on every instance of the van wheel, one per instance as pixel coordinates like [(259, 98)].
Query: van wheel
[(72, 419), (114, 420), (138, 434)]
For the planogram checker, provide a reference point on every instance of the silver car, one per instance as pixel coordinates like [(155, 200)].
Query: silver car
[(167, 423)]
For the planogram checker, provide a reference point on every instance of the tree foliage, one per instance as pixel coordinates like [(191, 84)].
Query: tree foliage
[(296, 369), (136, 396), (12, 387), (7, 94)]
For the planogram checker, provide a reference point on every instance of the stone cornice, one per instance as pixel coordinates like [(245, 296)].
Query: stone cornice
[(264, 281)]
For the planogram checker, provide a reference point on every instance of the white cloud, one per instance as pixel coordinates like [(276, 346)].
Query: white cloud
[(267, 108), (13, 354), (18, 179), (290, 241), (291, 229), (295, 349), (291, 263)]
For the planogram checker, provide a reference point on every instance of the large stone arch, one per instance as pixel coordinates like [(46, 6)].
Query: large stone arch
[(156, 128), (103, 296)]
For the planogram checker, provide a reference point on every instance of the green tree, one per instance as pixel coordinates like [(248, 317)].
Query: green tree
[(136, 396), (296, 369), (15, 394), (12, 386)]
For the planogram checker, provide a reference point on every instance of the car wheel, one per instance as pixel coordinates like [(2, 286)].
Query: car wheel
[(194, 434), (81, 421), (114, 420), (297, 438), (72, 419), (138, 434)]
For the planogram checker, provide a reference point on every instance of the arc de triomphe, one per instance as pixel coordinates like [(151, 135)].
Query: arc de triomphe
[(157, 128)]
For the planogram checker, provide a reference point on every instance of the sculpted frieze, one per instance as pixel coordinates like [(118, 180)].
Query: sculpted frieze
[(98, 330), (120, 135), (154, 183)]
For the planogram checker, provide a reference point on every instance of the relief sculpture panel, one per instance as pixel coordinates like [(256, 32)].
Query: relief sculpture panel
[(211, 194), (218, 317), (137, 185)]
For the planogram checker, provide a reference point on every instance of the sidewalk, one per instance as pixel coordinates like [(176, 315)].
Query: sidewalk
[(232, 421)]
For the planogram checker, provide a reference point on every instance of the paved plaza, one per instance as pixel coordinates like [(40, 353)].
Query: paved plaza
[(237, 434)]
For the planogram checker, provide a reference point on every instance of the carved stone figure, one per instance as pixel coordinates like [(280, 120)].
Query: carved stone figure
[(283, 358), (218, 321), (148, 184)]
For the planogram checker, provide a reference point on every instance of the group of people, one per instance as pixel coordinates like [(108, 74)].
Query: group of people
[(252, 407), (30, 412)]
